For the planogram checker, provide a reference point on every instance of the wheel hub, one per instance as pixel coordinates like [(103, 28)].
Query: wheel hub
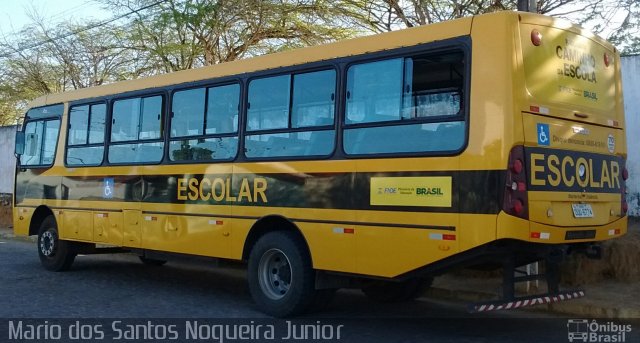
[(274, 273), (47, 243)]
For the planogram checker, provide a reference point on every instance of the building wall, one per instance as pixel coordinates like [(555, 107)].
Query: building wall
[(7, 159), (631, 91)]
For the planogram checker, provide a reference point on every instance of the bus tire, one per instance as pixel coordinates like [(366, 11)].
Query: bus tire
[(55, 254), (152, 261), (280, 276), (388, 291)]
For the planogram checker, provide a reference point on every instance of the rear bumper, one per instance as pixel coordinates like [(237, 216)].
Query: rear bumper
[(510, 227)]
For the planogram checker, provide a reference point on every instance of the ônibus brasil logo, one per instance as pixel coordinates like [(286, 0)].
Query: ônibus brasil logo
[(583, 330)]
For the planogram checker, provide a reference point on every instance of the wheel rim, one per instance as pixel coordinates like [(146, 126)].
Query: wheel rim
[(48, 243), (275, 274)]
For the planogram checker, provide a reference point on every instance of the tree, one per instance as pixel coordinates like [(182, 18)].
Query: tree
[(24, 75), (616, 20), (87, 58), (191, 33), (63, 57)]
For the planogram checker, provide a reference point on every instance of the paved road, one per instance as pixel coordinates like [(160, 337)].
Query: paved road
[(117, 287)]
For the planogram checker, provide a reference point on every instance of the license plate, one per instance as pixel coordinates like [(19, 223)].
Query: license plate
[(582, 210)]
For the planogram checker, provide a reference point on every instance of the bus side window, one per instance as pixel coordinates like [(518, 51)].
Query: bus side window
[(136, 130), (151, 118), (374, 91), (268, 103), (188, 112), (85, 142), (414, 104), (222, 109), (200, 136), (297, 128), (313, 99)]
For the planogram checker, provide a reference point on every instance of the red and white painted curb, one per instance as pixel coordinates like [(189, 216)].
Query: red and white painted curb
[(547, 299)]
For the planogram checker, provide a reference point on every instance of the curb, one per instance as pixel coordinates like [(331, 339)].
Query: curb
[(578, 307)]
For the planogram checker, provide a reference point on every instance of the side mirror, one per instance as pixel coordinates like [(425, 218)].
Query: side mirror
[(19, 144)]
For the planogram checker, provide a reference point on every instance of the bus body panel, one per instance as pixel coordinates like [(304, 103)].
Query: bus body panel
[(572, 74), (574, 142), (21, 220), (555, 180), (131, 228), (494, 128)]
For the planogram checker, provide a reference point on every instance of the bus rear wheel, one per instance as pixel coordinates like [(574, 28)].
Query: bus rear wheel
[(387, 291), (281, 279), (55, 254)]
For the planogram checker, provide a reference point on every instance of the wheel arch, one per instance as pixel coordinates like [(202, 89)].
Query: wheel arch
[(37, 218), (268, 224)]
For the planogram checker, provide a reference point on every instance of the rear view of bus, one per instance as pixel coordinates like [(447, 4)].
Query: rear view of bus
[(565, 182)]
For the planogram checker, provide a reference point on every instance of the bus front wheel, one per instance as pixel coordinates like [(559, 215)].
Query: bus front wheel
[(280, 276), (55, 254)]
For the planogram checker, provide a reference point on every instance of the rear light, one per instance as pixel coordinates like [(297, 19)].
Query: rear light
[(536, 37), (515, 200), (517, 166), (607, 59), (624, 207), (518, 207)]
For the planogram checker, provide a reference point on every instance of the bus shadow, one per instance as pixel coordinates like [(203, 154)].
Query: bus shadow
[(208, 283)]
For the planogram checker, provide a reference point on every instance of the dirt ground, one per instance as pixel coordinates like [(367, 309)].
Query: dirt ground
[(611, 284), (620, 261)]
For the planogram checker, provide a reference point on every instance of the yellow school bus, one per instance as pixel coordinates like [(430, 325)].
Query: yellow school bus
[(377, 162)]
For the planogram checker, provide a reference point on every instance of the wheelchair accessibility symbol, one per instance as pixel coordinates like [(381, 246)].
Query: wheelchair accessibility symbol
[(107, 190), (543, 134)]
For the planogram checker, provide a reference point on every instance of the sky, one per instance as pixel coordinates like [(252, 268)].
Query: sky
[(13, 13)]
